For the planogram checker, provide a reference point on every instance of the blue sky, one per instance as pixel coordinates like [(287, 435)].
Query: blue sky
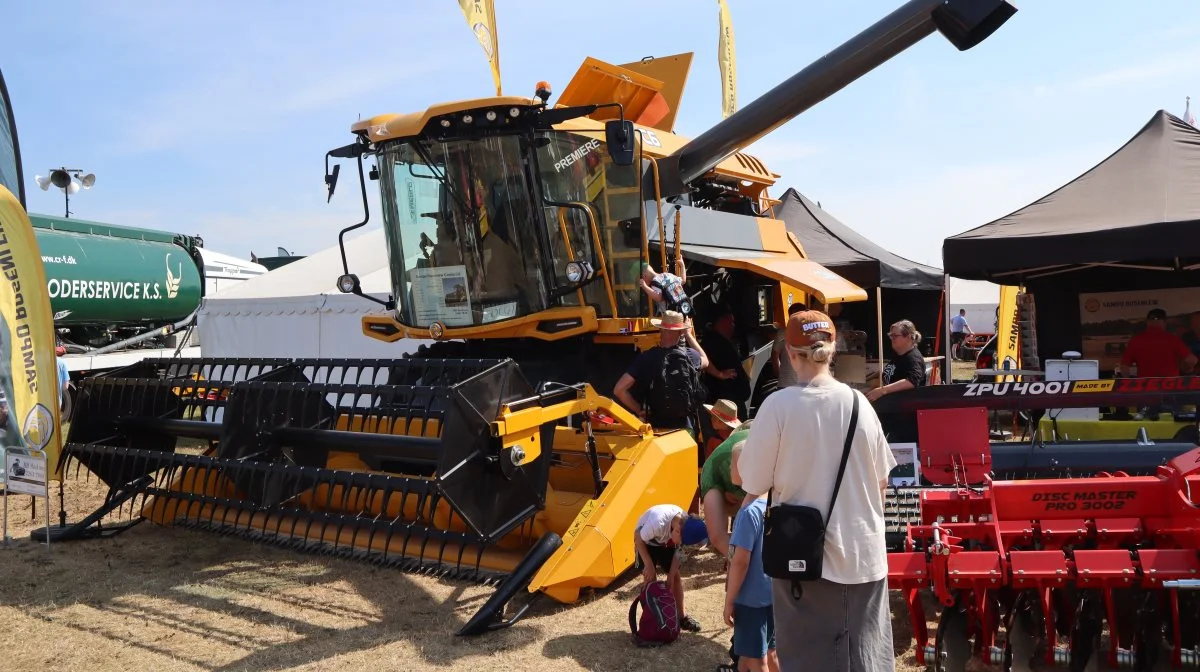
[(213, 118)]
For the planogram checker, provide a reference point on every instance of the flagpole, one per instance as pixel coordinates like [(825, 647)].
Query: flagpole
[(496, 44)]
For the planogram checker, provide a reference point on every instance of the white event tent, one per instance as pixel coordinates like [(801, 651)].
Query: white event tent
[(296, 310), (980, 299)]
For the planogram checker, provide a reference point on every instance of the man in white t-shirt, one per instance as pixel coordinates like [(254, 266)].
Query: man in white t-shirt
[(659, 534), (794, 448)]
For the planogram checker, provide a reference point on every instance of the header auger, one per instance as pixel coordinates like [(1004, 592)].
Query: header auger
[(516, 234)]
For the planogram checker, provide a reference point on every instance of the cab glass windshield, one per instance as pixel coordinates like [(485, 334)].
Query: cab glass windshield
[(457, 218), (593, 212)]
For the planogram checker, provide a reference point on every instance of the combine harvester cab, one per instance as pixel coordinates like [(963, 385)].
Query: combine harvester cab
[(1071, 573), (486, 456)]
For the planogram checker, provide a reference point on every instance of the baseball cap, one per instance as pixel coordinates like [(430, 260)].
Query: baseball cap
[(694, 532), (808, 327), (1156, 314)]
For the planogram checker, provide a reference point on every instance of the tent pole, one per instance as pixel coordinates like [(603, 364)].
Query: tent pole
[(945, 319), (879, 328)]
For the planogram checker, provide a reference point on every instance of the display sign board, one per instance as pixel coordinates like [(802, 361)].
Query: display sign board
[(26, 474), (441, 295), (908, 469), (26, 471), (1109, 319)]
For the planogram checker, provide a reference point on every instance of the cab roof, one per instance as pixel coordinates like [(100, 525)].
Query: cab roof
[(649, 91)]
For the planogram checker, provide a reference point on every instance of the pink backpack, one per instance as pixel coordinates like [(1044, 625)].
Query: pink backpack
[(660, 617)]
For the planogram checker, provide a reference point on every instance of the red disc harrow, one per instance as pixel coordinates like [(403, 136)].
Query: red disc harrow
[(1031, 574)]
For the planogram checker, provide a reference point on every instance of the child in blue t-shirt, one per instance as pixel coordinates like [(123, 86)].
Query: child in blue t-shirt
[(748, 593)]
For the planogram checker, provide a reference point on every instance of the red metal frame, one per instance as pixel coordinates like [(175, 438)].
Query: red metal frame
[(977, 547)]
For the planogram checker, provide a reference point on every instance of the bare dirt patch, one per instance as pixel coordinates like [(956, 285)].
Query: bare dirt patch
[(156, 598)]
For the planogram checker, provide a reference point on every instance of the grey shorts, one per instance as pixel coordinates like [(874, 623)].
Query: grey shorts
[(834, 627)]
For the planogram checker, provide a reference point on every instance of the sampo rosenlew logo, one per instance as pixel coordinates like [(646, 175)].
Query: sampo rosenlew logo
[(38, 427), (1091, 305)]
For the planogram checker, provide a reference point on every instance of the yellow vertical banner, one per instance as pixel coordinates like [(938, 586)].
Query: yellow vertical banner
[(1008, 335), (481, 16), (30, 366), (727, 56)]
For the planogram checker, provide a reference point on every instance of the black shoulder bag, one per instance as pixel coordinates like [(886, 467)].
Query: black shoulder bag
[(794, 536)]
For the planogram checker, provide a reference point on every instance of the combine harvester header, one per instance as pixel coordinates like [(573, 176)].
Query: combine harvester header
[(485, 457)]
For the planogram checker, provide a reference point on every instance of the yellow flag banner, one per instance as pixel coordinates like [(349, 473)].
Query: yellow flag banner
[(1008, 335), (29, 368), (728, 60), (481, 16)]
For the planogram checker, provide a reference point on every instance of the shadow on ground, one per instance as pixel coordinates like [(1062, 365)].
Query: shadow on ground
[(594, 651), (221, 603)]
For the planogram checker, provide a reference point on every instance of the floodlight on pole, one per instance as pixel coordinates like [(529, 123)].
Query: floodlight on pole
[(70, 180)]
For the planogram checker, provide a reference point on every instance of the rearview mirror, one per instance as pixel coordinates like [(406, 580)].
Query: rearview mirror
[(618, 134)]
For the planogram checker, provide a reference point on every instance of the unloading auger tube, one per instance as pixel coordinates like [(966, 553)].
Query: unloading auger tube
[(452, 467), (965, 23)]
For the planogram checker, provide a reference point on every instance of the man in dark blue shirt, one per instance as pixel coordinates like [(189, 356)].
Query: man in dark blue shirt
[(632, 390)]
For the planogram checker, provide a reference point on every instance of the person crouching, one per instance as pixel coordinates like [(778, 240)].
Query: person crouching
[(660, 533)]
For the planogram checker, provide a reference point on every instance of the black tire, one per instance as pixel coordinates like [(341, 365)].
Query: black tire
[(68, 405)]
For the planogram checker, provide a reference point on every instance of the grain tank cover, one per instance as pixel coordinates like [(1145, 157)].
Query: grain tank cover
[(100, 274)]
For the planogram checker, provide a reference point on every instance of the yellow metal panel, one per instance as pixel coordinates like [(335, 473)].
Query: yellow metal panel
[(388, 126), (521, 327), (672, 71), (809, 276), (597, 82), (598, 546), (774, 235)]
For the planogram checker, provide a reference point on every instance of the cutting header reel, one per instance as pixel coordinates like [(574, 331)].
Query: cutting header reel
[(456, 468)]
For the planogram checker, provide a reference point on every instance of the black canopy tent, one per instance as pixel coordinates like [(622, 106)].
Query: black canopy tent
[(900, 288), (1132, 221)]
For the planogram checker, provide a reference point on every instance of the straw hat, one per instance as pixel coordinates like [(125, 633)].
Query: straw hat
[(671, 321), (724, 411)]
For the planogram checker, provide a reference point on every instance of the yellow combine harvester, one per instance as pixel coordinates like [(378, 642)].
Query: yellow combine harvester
[(516, 232)]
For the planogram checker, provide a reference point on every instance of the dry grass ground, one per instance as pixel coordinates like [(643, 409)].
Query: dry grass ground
[(157, 598), (962, 371)]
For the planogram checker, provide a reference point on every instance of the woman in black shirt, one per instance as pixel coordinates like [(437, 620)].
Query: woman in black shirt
[(905, 371)]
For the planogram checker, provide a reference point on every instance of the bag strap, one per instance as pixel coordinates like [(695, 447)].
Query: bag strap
[(845, 453), (837, 485)]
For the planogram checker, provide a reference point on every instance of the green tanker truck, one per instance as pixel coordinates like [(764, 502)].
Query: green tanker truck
[(121, 294), (108, 283)]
